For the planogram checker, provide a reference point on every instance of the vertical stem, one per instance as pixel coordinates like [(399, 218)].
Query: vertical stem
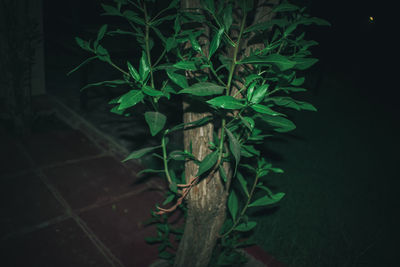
[(147, 43), (165, 160), (229, 83)]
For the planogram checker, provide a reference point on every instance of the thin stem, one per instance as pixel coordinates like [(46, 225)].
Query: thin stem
[(146, 17), (244, 208), (160, 57), (118, 68), (165, 160)]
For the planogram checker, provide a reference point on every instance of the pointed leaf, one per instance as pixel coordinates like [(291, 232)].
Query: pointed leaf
[(215, 42), (83, 44), (233, 204), (144, 68), (156, 121), (140, 153), (304, 63), (285, 7), (208, 162), (279, 124), (243, 183), (185, 65), (234, 147), (226, 102), (282, 62), (246, 226), (110, 10), (133, 72), (177, 78), (148, 90), (267, 200), (130, 99), (101, 32), (132, 16), (262, 26), (264, 110), (203, 89), (259, 94)]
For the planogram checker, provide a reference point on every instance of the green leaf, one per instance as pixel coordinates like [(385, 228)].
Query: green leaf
[(304, 63), (234, 147), (243, 183), (226, 102), (80, 65), (186, 65), (102, 53), (222, 173), (246, 226), (298, 81), (148, 90), (282, 62), (83, 44), (291, 103), (168, 199), (249, 151), (262, 26), (156, 121), (227, 17), (285, 7), (130, 99), (101, 32), (170, 44), (233, 205), (133, 72), (203, 89), (153, 240), (215, 42), (195, 45), (144, 68), (149, 171), (208, 162), (110, 10), (177, 78), (248, 122), (279, 124), (267, 200), (264, 110), (259, 94), (132, 16), (140, 153), (114, 83), (209, 5)]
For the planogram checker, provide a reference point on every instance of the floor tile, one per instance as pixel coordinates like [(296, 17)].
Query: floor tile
[(58, 146), (93, 181), (62, 245), (121, 227), (25, 202)]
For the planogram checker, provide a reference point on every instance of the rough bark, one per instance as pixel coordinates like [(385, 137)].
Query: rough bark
[(206, 202)]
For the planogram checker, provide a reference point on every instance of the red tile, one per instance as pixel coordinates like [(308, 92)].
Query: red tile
[(94, 181), (25, 202), (62, 245), (121, 226), (58, 146)]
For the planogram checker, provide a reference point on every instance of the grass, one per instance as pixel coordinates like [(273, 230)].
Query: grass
[(336, 209)]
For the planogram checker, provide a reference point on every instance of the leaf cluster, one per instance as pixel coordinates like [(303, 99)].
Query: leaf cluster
[(244, 89)]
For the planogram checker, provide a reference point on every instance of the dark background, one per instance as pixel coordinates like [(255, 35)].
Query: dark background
[(340, 164)]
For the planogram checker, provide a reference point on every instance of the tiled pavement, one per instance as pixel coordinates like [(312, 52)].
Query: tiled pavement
[(67, 200)]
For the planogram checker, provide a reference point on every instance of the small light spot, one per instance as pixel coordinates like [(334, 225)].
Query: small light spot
[(371, 18)]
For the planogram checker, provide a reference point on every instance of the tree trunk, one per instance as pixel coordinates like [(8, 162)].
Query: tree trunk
[(206, 201)]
